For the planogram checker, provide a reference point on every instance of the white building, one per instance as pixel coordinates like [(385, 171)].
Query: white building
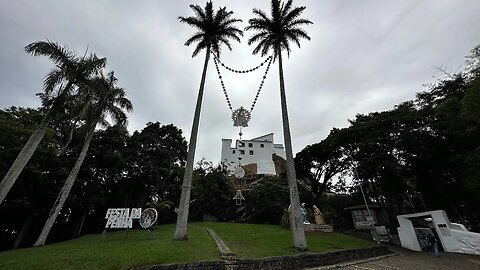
[(257, 151)]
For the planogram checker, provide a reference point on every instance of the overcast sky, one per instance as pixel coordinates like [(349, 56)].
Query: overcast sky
[(364, 56)]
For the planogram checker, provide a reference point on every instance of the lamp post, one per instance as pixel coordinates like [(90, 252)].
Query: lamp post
[(421, 199)]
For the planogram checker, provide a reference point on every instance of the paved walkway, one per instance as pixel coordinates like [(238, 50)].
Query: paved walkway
[(411, 260)]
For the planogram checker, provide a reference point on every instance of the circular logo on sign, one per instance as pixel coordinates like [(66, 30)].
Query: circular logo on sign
[(148, 218)]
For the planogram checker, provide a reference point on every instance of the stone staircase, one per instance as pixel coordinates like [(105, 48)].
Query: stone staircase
[(230, 259)]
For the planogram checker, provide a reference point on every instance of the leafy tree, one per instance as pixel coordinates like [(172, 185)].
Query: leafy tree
[(71, 70), (276, 33), (212, 192), (100, 98), (154, 164), (423, 154), (100, 176), (265, 202), (319, 163), (471, 101), (35, 185), (214, 29), (120, 170)]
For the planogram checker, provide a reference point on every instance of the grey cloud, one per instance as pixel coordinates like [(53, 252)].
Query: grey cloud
[(364, 56)]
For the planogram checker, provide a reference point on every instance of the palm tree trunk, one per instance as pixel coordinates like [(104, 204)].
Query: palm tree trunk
[(299, 241), (30, 147), (62, 196), (182, 214), (80, 226), (23, 231)]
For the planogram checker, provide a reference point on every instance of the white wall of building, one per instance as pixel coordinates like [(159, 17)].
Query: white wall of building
[(258, 150)]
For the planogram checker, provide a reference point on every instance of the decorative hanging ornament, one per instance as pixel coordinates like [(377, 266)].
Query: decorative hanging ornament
[(239, 172), (241, 117), (238, 197)]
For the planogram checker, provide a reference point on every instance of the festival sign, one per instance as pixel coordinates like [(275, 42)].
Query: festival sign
[(121, 218)]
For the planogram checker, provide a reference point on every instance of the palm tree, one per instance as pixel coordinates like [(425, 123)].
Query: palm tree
[(213, 30), (275, 34), (100, 98), (69, 71)]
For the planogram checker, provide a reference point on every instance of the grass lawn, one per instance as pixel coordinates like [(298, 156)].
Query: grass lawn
[(90, 252), (246, 240), (257, 241)]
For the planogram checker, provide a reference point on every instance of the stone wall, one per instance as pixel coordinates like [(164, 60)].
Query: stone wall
[(202, 265), (282, 262), (310, 259)]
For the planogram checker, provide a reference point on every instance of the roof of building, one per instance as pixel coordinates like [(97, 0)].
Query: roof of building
[(267, 137)]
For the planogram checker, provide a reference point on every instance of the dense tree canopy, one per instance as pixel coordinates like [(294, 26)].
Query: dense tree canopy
[(120, 170), (422, 154)]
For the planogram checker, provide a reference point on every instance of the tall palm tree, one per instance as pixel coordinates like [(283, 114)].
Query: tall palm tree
[(213, 30), (276, 33), (100, 98), (69, 71)]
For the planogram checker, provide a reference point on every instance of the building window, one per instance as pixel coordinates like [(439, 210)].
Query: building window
[(250, 144), (262, 145), (233, 152), (242, 152), (250, 152), (242, 144)]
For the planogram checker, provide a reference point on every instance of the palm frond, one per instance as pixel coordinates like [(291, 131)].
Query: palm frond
[(286, 8), (293, 14), (118, 115), (195, 38), (298, 22), (192, 21), (53, 79), (277, 31), (293, 37), (90, 65), (276, 10), (68, 75), (200, 46), (198, 11), (257, 36), (214, 28), (124, 103), (58, 54), (300, 33)]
